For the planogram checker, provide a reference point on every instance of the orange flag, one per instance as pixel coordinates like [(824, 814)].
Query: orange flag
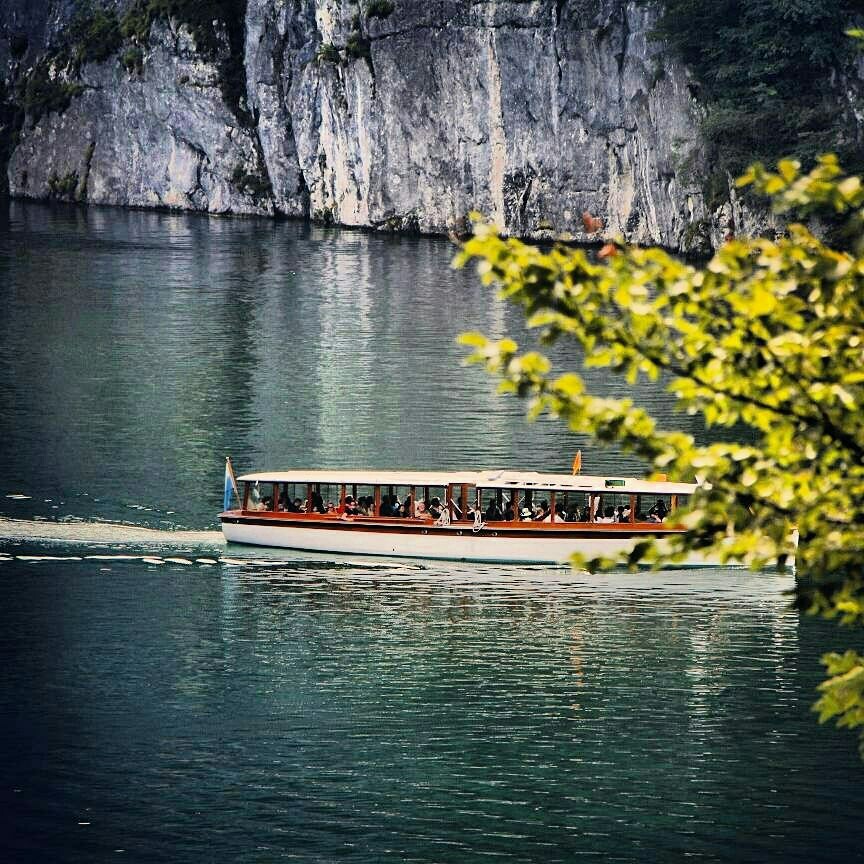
[(577, 462)]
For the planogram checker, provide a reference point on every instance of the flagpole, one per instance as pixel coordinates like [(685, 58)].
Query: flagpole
[(230, 469), (230, 485)]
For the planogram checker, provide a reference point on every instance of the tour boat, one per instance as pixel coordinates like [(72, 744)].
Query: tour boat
[(490, 516)]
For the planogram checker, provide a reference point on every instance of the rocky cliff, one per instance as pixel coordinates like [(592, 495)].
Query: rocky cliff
[(402, 115)]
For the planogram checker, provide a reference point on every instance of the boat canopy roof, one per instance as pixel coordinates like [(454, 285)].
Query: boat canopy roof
[(481, 479), (369, 477), (578, 483)]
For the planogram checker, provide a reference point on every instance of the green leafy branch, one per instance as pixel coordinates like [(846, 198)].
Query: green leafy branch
[(768, 335)]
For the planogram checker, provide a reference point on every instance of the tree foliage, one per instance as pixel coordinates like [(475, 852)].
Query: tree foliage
[(766, 337), (768, 72)]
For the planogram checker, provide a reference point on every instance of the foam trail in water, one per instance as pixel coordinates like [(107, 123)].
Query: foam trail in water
[(48, 558), (104, 533), (113, 557)]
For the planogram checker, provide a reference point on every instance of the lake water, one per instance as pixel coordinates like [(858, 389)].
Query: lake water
[(163, 700)]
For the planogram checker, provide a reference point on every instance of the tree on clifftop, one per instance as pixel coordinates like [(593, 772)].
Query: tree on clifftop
[(768, 335)]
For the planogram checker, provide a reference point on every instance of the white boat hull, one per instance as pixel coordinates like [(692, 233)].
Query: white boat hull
[(453, 543)]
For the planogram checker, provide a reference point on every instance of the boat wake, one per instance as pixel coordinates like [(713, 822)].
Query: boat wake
[(35, 541), (108, 533), (106, 544)]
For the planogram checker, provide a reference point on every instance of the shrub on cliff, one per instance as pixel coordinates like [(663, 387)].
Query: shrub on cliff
[(327, 53), (63, 187), (94, 33), (45, 89), (766, 338), (380, 8), (133, 59), (251, 184)]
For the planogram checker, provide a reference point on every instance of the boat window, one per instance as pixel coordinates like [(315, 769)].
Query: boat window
[(430, 501), (576, 506), (259, 496), (534, 505), (364, 497), (292, 498), (615, 507), (325, 497), (492, 504), (464, 502), (652, 508), (396, 501)]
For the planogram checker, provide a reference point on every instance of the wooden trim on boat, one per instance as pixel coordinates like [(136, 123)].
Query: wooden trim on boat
[(398, 525)]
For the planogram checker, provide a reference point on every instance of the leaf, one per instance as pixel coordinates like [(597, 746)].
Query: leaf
[(472, 339), (788, 169)]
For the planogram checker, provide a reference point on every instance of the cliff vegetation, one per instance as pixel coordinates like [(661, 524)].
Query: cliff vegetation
[(770, 76)]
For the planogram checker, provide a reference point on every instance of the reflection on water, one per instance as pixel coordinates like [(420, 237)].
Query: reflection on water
[(138, 349), (163, 698), (303, 712)]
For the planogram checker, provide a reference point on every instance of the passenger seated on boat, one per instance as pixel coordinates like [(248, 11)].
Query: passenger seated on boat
[(390, 506), (526, 514), (658, 512), (318, 503), (607, 517), (351, 508), (366, 505), (560, 513), (444, 517), (435, 508), (509, 511), (542, 512), (420, 510), (493, 512)]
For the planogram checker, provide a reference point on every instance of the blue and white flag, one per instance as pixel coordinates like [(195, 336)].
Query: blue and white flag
[(230, 485)]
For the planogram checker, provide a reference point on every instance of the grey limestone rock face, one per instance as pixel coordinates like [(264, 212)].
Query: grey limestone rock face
[(529, 112), (159, 138)]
